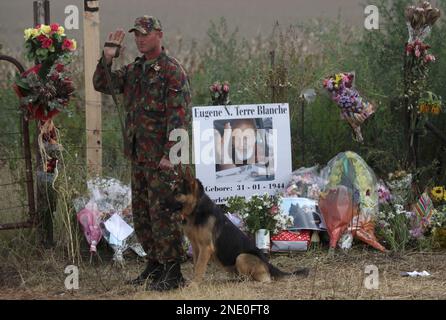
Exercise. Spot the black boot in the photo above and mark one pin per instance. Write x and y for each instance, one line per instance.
(153, 271)
(171, 278)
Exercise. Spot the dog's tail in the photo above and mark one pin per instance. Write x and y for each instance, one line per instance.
(277, 273)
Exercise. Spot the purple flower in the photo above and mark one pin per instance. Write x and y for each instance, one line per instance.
(416, 233)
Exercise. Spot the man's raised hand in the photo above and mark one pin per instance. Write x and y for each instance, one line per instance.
(113, 43)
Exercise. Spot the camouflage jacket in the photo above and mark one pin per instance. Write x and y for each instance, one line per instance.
(156, 101)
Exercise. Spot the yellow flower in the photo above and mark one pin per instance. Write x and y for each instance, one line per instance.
(45, 29)
(28, 33)
(74, 44)
(338, 79)
(34, 33)
(438, 193)
(60, 31)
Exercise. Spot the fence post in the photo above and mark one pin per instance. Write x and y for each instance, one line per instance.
(92, 97)
(46, 195)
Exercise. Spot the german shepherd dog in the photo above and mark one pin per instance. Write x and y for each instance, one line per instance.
(214, 236)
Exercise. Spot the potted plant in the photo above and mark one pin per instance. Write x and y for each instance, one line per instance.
(261, 216)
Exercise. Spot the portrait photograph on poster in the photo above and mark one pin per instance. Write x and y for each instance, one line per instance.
(251, 151)
(305, 212)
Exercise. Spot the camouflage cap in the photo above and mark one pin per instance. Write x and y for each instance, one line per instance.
(145, 24)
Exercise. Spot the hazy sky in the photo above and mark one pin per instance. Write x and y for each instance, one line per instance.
(188, 17)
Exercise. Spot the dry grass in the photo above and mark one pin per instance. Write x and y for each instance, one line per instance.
(337, 277)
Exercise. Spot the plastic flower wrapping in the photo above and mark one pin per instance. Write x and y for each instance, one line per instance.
(90, 218)
(354, 108)
(305, 183)
(111, 197)
(349, 201)
(420, 19)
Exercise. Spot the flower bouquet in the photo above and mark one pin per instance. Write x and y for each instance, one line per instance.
(350, 201)
(48, 43)
(418, 50)
(45, 89)
(43, 98)
(393, 226)
(220, 93)
(400, 184)
(420, 19)
(260, 212)
(354, 109)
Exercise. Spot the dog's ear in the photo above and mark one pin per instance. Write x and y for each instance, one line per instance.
(180, 172)
(188, 176)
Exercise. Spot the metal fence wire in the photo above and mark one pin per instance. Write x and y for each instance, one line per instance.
(17, 200)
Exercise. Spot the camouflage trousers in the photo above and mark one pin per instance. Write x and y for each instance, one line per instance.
(158, 231)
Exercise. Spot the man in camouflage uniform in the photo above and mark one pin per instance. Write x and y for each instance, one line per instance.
(156, 101)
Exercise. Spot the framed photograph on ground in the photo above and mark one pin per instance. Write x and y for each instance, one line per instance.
(305, 212)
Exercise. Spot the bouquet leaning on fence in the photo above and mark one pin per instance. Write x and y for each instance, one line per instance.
(45, 89)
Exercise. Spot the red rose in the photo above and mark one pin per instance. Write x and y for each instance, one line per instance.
(47, 43)
(42, 38)
(59, 67)
(66, 44)
(54, 27)
(225, 88)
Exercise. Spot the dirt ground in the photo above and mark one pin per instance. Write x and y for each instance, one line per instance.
(341, 276)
